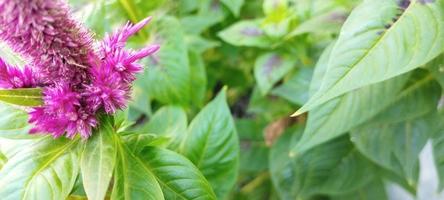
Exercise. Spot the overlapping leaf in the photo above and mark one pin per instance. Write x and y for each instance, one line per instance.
(18, 127)
(246, 33)
(177, 176)
(22, 97)
(335, 167)
(402, 139)
(170, 122)
(168, 79)
(411, 36)
(44, 169)
(212, 145)
(271, 68)
(98, 160)
(132, 180)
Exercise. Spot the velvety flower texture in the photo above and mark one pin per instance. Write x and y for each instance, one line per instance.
(78, 81)
(43, 32)
(12, 77)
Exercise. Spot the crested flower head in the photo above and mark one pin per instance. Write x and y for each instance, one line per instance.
(79, 82)
(44, 33)
(106, 91)
(14, 77)
(62, 113)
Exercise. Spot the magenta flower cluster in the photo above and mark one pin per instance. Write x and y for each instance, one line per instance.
(78, 80)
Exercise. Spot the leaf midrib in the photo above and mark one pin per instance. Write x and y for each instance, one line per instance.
(375, 44)
(49, 161)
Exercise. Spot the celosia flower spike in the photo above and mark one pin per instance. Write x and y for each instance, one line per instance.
(44, 32)
(14, 77)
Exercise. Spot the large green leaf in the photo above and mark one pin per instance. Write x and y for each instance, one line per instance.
(98, 160)
(168, 75)
(168, 121)
(402, 142)
(343, 113)
(377, 28)
(13, 122)
(212, 145)
(44, 169)
(246, 33)
(177, 176)
(271, 68)
(373, 191)
(335, 167)
(340, 115)
(22, 97)
(132, 179)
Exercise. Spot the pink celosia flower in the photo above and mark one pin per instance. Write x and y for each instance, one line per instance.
(43, 32)
(79, 82)
(62, 113)
(106, 90)
(13, 77)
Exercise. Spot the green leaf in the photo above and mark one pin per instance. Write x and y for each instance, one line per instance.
(177, 176)
(335, 167)
(329, 22)
(372, 191)
(234, 5)
(436, 68)
(340, 115)
(271, 68)
(198, 79)
(212, 10)
(22, 97)
(212, 145)
(169, 73)
(98, 160)
(168, 121)
(438, 152)
(13, 122)
(296, 88)
(132, 179)
(246, 33)
(188, 5)
(196, 24)
(44, 169)
(402, 142)
(136, 142)
(359, 57)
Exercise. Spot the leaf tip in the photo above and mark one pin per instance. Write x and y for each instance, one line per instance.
(298, 112)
